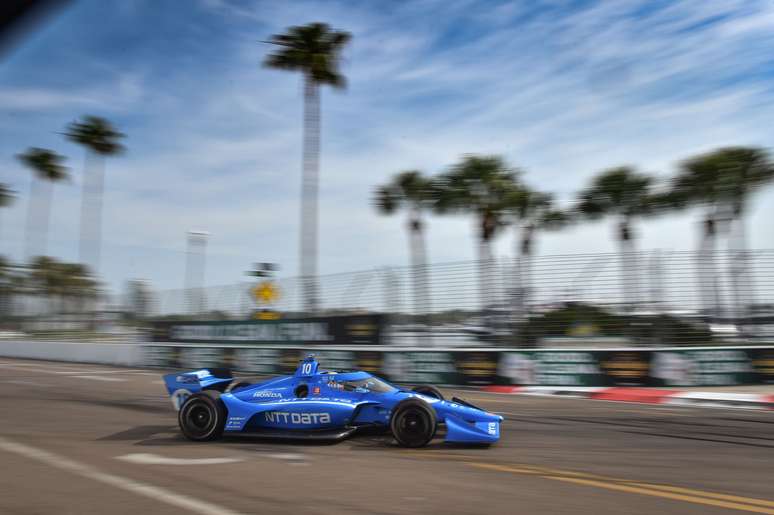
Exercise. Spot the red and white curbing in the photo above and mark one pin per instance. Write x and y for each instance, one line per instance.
(645, 395)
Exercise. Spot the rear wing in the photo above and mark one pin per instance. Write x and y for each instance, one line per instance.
(181, 385)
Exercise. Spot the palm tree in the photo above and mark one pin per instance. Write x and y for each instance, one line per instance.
(624, 194)
(57, 280)
(314, 51)
(100, 139)
(413, 192)
(531, 211)
(479, 185)
(722, 182)
(47, 169)
(77, 284)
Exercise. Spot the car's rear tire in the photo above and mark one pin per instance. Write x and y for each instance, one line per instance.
(413, 423)
(429, 390)
(202, 417)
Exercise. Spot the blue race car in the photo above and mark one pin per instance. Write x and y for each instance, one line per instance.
(321, 404)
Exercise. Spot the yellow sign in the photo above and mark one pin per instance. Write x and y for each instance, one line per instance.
(266, 315)
(265, 292)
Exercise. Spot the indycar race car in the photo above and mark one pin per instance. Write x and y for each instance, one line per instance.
(322, 404)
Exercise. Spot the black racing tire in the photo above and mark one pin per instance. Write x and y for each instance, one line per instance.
(413, 423)
(429, 390)
(202, 417)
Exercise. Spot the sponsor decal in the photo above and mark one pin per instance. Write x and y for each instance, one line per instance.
(235, 422)
(316, 390)
(267, 394)
(284, 417)
(179, 397)
(492, 429)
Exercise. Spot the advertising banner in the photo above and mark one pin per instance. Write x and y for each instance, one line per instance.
(342, 330)
(705, 367)
(630, 367)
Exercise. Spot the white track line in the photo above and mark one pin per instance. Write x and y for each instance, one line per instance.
(22, 382)
(155, 459)
(100, 378)
(92, 371)
(156, 493)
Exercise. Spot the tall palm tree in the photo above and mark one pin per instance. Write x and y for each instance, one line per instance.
(479, 185)
(101, 140)
(531, 211)
(626, 195)
(412, 192)
(721, 182)
(314, 50)
(47, 169)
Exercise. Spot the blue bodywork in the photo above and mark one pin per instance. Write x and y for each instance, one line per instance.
(321, 403)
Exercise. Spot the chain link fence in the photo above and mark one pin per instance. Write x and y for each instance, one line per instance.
(613, 299)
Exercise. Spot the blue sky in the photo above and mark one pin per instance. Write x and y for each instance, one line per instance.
(562, 89)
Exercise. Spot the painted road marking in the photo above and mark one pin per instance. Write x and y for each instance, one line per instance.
(22, 382)
(155, 459)
(156, 493)
(287, 456)
(692, 495)
(101, 378)
(88, 371)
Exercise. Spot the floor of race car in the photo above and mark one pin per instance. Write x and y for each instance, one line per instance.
(85, 439)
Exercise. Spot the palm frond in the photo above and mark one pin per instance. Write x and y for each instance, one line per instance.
(45, 164)
(313, 49)
(97, 134)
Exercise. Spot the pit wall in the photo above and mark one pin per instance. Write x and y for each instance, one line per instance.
(656, 367)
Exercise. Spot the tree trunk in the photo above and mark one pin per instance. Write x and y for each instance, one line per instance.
(484, 274)
(419, 271)
(485, 264)
(309, 192)
(419, 266)
(522, 276)
(91, 211)
(523, 270)
(708, 286)
(739, 271)
(38, 217)
(629, 266)
(30, 230)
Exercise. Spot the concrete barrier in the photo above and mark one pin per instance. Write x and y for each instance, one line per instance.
(122, 354)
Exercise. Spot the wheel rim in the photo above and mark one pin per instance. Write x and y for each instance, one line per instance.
(199, 418)
(413, 425)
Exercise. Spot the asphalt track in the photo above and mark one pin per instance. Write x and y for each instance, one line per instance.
(84, 439)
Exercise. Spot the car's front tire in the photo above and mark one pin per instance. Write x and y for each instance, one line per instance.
(202, 417)
(413, 423)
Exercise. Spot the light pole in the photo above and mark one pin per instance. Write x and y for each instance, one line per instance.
(194, 271)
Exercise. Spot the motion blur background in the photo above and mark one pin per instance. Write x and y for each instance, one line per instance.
(571, 170)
